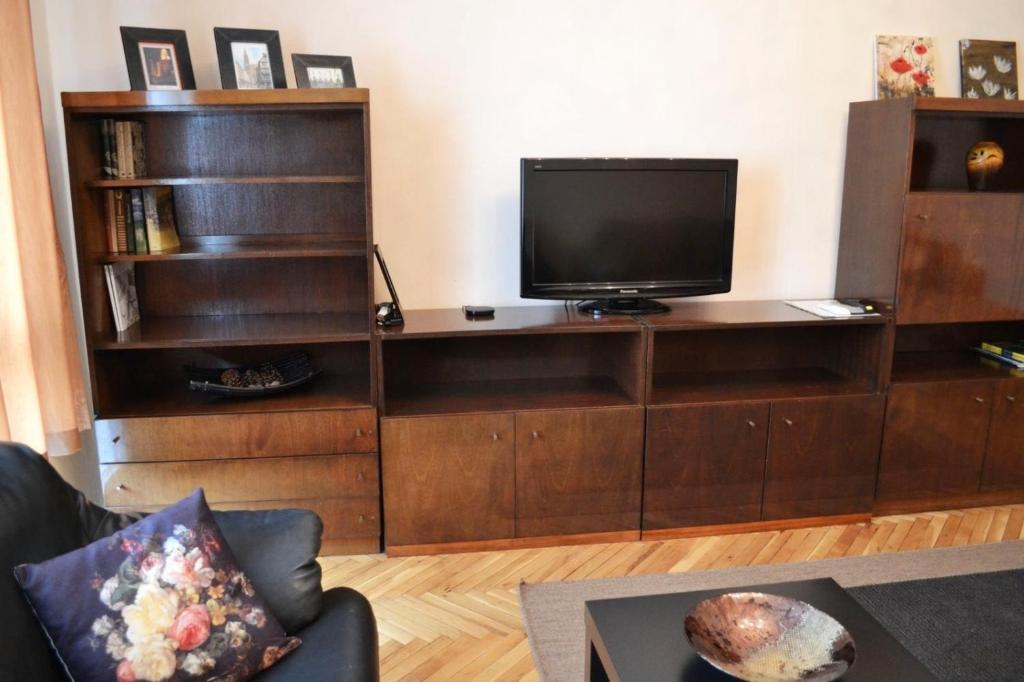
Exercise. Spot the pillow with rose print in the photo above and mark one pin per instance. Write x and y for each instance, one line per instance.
(162, 599)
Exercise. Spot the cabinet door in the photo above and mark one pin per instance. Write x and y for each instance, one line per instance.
(448, 479)
(1004, 459)
(934, 441)
(822, 456)
(579, 471)
(959, 258)
(705, 464)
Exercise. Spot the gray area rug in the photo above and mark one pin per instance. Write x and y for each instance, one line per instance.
(553, 612)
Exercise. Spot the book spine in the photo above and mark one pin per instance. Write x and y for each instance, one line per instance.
(111, 211)
(152, 220)
(139, 218)
(167, 231)
(122, 149)
(138, 150)
(129, 222)
(108, 166)
(1001, 350)
(115, 309)
(121, 234)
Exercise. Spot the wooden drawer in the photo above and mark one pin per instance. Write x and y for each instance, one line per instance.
(260, 480)
(221, 436)
(351, 524)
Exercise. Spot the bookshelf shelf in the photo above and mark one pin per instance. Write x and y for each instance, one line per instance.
(239, 330)
(764, 384)
(198, 250)
(229, 180)
(912, 368)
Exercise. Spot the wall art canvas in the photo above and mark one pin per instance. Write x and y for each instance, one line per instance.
(904, 67)
(988, 69)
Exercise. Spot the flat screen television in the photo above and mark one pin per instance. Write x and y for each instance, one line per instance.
(619, 233)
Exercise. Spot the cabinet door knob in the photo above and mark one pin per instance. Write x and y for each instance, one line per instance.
(535, 434)
(751, 423)
(360, 477)
(922, 216)
(121, 486)
(978, 399)
(494, 436)
(789, 422)
(1011, 398)
(359, 433)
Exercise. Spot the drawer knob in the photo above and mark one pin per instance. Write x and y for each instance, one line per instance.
(535, 434)
(751, 423)
(1011, 398)
(978, 399)
(120, 486)
(362, 518)
(359, 476)
(363, 432)
(789, 422)
(923, 216)
(495, 436)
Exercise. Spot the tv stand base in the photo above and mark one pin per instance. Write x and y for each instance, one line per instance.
(623, 306)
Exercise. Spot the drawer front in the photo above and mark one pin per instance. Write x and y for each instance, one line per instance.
(220, 436)
(270, 479)
(344, 518)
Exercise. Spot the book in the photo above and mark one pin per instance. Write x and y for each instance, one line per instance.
(1010, 349)
(109, 153)
(120, 224)
(138, 145)
(111, 215)
(124, 300)
(161, 233)
(129, 222)
(1001, 358)
(139, 221)
(123, 147)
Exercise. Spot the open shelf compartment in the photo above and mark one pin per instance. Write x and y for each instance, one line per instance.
(943, 352)
(465, 374)
(941, 142)
(716, 365)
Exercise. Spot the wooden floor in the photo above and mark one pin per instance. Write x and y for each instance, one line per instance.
(456, 617)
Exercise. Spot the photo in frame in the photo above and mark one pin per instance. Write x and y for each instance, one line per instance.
(157, 59)
(323, 71)
(249, 59)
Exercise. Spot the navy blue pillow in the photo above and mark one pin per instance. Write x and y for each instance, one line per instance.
(162, 599)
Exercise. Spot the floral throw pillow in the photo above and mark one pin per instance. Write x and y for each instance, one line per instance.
(162, 599)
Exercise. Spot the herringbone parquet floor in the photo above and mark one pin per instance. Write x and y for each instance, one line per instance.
(456, 617)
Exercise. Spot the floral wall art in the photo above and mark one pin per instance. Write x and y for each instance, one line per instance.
(905, 66)
(988, 69)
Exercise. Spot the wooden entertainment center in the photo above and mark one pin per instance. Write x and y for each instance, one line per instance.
(543, 425)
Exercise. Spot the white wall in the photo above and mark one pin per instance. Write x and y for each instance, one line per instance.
(461, 89)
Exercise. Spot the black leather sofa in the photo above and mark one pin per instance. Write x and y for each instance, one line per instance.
(41, 516)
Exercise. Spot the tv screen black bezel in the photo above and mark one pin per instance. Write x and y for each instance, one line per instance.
(529, 167)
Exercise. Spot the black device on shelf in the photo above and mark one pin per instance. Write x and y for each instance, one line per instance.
(623, 232)
(389, 313)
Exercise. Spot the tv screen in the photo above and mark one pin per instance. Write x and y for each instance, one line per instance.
(626, 228)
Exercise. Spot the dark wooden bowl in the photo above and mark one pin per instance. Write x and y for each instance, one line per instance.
(767, 638)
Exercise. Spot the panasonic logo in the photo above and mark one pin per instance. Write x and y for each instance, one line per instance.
(629, 291)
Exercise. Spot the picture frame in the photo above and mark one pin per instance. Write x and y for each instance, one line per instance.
(323, 71)
(157, 59)
(249, 59)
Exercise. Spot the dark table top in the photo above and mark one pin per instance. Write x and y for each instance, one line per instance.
(642, 638)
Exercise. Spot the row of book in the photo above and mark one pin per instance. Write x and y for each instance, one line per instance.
(124, 149)
(1008, 353)
(124, 300)
(141, 220)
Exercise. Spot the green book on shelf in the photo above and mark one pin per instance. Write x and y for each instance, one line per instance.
(139, 220)
(129, 222)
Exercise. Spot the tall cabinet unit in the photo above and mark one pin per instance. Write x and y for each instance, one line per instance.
(272, 202)
(950, 264)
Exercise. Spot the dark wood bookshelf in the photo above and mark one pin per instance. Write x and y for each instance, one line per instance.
(272, 206)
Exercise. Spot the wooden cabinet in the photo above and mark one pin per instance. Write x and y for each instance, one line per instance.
(822, 456)
(578, 471)
(959, 260)
(704, 464)
(1004, 457)
(935, 436)
(448, 479)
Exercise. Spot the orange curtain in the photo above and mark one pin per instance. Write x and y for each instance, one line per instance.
(42, 399)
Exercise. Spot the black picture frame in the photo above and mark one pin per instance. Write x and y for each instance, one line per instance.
(225, 38)
(302, 62)
(136, 38)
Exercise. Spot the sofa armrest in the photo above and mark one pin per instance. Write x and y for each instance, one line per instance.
(341, 645)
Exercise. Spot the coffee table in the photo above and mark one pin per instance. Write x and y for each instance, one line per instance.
(641, 639)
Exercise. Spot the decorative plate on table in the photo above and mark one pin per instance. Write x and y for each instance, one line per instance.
(761, 637)
(254, 380)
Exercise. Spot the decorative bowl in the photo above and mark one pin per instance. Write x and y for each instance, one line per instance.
(761, 637)
(252, 381)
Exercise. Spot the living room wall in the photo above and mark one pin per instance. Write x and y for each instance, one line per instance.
(462, 89)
